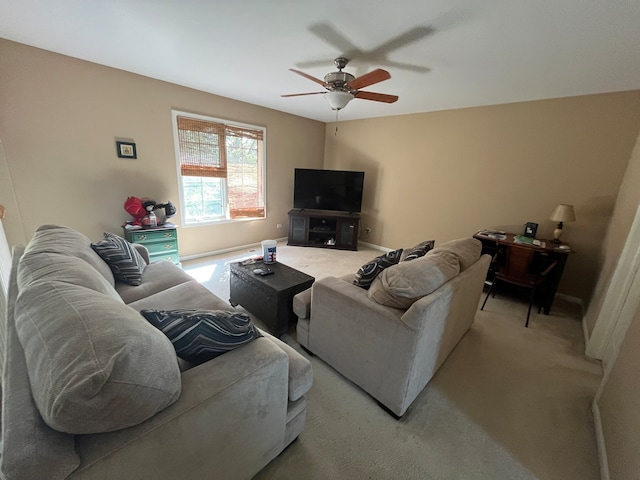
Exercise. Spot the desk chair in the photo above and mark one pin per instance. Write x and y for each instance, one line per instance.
(526, 268)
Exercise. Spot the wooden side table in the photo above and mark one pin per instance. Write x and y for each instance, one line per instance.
(162, 242)
(552, 250)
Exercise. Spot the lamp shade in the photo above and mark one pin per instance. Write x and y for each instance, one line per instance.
(338, 100)
(563, 213)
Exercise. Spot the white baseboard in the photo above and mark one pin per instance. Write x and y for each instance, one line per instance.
(585, 332)
(249, 247)
(375, 247)
(579, 301)
(572, 299)
(602, 451)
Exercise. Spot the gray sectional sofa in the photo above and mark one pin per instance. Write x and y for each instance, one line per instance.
(391, 338)
(91, 390)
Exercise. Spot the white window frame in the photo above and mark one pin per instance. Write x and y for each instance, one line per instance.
(225, 218)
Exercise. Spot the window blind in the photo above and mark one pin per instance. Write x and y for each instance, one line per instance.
(212, 149)
(202, 152)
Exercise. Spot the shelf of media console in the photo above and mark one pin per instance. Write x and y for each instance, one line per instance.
(322, 228)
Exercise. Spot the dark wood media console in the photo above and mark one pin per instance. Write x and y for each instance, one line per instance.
(321, 228)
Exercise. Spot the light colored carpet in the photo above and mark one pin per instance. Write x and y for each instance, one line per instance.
(508, 403)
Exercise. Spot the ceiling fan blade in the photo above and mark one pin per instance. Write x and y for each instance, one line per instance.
(334, 38)
(405, 66)
(313, 79)
(301, 94)
(376, 97)
(370, 78)
(402, 40)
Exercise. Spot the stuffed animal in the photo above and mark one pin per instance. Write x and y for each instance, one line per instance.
(143, 211)
(135, 208)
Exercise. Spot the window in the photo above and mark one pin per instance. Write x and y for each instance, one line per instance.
(220, 169)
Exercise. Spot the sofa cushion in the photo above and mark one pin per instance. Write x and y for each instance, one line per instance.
(370, 270)
(57, 239)
(95, 365)
(200, 335)
(401, 285)
(418, 251)
(157, 277)
(468, 250)
(29, 447)
(39, 267)
(192, 293)
(124, 260)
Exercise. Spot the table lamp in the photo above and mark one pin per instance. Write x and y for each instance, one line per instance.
(562, 213)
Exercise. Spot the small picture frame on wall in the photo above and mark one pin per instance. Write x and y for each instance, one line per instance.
(530, 229)
(126, 149)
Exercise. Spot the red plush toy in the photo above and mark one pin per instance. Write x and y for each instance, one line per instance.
(134, 206)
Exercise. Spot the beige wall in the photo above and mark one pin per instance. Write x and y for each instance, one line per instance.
(436, 175)
(444, 175)
(60, 117)
(439, 175)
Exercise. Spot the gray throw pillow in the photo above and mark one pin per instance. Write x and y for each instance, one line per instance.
(124, 260)
(370, 270)
(95, 365)
(418, 251)
(200, 335)
(401, 285)
(468, 250)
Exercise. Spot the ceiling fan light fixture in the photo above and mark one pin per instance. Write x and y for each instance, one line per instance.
(338, 100)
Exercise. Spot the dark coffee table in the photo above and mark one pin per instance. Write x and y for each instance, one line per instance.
(270, 297)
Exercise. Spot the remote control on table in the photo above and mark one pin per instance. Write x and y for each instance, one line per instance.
(263, 271)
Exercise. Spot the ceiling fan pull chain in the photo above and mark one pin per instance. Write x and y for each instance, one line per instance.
(336, 132)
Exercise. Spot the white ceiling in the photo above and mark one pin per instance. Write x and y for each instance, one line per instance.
(449, 53)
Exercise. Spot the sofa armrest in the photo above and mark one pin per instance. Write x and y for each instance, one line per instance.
(302, 304)
(363, 340)
(302, 301)
(300, 371)
(142, 250)
(230, 417)
(342, 312)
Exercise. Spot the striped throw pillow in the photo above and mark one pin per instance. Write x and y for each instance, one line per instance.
(418, 251)
(369, 271)
(124, 260)
(200, 335)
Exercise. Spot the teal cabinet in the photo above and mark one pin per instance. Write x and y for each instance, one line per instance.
(161, 242)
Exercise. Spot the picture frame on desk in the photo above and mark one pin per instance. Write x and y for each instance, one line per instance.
(530, 229)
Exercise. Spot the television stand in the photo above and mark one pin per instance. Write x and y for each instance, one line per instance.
(324, 229)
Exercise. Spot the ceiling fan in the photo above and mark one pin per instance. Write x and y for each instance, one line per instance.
(342, 87)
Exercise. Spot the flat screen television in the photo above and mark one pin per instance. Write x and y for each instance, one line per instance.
(337, 190)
